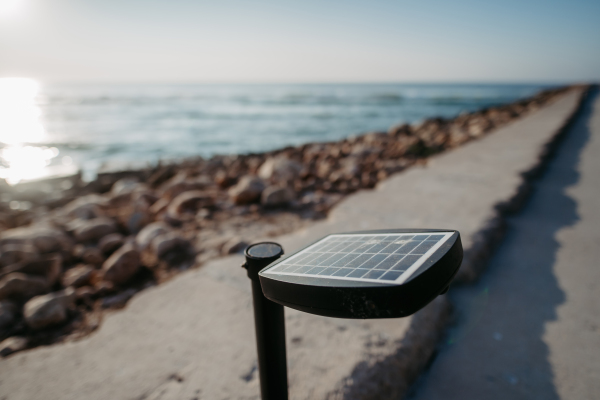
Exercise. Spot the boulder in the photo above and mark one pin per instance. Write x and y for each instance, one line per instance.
(44, 239)
(182, 183)
(280, 169)
(275, 196)
(135, 218)
(150, 231)
(399, 130)
(12, 345)
(130, 190)
(362, 150)
(159, 206)
(247, 190)
(143, 196)
(20, 286)
(85, 292)
(167, 242)
(93, 256)
(86, 207)
(223, 180)
(14, 253)
(49, 309)
(48, 267)
(8, 312)
(47, 240)
(186, 205)
(94, 229)
(111, 242)
(118, 300)
(103, 288)
(79, 275)
(124, 186)
(122, 265)
(376, 138)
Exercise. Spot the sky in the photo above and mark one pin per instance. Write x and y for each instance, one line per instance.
(300, 41)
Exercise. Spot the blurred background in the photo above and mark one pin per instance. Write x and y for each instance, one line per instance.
(86, 85)
(98, 93)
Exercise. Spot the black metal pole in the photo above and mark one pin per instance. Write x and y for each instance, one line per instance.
(269, 324)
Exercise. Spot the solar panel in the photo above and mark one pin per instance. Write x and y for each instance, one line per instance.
(382, 258)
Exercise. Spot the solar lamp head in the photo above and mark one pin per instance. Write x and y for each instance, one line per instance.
(366, 274)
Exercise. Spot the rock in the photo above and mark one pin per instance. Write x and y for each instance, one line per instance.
(86, 207)
(95, 229)
(12, 345)
(48, 309)
(47, 267)
(185, 205)
(8, 311)
(47, 240)
(143, 196)
(247, 190)
(118, 300)
(124, 186)
(111, 242)
(351, 167)
(103, 288)
(150, 231)
(122, 265)
(14, 253)
(78, 250)
(85, 292)
(20, 286)
(398, 130)
(280, 169)
(44, 239)
(234, 245)
(79, 275)
(181, 183)
(223, 180)
(136, 219)
(167, 242)
(376, 138)
(362, 151)
(92, 255)
(275, 196)
(159, 206)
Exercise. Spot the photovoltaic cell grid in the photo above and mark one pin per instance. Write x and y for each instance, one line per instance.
(372, 257)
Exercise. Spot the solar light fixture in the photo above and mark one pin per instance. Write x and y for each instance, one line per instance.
(367, 274)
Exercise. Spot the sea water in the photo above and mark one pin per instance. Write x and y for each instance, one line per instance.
(89, 126)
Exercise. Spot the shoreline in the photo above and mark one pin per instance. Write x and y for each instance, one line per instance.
(200, 209)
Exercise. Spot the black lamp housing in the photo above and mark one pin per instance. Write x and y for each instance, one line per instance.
(367, 299)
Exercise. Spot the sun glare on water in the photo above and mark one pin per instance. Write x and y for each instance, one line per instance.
(20, 129)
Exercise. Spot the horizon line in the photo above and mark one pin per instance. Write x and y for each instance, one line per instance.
(305, 82)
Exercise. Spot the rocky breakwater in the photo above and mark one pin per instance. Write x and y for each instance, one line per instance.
(69, 250)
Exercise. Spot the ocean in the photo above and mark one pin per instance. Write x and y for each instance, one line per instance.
(93, 126)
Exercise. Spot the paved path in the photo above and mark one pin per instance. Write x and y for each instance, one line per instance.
(193, 336)
(530, 328)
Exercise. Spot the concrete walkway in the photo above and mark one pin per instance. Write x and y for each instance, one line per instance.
(193, 338)
(530, 329)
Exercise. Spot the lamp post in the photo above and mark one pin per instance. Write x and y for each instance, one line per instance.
(366, 275)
